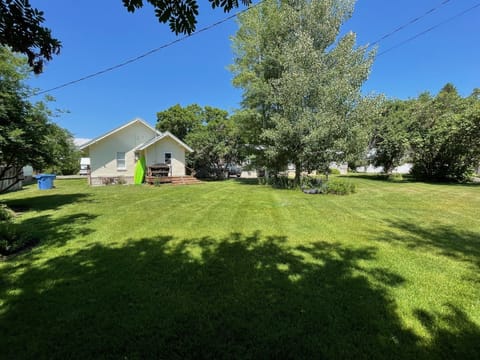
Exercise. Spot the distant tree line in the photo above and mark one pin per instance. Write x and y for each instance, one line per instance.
(439, 134)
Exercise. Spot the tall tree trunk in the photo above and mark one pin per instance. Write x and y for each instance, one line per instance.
(298, 171)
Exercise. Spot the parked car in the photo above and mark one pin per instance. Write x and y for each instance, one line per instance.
(234, 170)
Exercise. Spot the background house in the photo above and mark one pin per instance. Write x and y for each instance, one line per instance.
(113, 156)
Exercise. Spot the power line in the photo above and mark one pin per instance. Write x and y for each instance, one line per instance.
(412, 21)
(429, 29)
(148, 53)
(228, 18)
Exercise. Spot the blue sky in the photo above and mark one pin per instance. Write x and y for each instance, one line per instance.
(100, 34)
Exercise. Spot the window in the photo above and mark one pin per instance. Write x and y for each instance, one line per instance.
(121, 165)
(168, 158)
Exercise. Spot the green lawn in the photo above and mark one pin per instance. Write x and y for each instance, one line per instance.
(237, 270)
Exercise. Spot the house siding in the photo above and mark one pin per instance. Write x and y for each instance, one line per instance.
(103, 153)
(155, 155)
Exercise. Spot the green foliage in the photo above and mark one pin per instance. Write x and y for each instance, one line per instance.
(340, 187)
(210, 132)
(445, 136)
(181, 14)
(180, 121)
(311, 182)
(27, 136)
(336, 277)
(64, 154)
(440, 135)
(22, 31)
(301, 87)
(391, 138)
(6, 214)
(12, 239)
(334, 171)
(395, 177)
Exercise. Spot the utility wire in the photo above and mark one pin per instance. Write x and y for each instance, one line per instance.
(412, 21)
(429, 29)
(148, 53)
(208, 27)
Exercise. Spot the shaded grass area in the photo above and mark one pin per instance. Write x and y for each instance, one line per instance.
(222, 270)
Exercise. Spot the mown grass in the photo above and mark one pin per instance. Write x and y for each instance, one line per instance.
(237, 270)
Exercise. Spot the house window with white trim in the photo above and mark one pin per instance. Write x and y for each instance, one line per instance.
(121, 164)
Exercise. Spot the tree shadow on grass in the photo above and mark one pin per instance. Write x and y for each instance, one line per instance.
(454, 335)
(446, 240)
(47, 229)
(247, 181)
(45, 202)
(50, 230)
(240, 296)
(406, 178)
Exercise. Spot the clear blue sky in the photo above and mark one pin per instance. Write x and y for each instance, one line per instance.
(99, 34)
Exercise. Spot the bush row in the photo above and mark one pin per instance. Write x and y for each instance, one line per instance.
(312, 185)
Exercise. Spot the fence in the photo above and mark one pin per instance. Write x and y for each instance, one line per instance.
(12, 179)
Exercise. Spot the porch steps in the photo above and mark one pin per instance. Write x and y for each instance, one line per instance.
(174, 180)
(185, 180)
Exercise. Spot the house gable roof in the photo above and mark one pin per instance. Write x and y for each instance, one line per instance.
(160, 137)
(134, 121)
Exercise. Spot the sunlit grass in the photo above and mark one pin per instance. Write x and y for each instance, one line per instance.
(233, 269)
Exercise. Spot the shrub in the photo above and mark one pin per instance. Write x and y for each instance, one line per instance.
(334, 171)
(340, 187)
(310, 182)
(11, 238)
(395, 177)
(6, 214)
(281, 182)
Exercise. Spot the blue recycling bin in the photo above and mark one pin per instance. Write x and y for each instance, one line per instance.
(45, 181)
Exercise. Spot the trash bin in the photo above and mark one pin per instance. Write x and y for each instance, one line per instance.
(45, 181)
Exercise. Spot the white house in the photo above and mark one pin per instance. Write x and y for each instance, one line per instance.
(114, 155)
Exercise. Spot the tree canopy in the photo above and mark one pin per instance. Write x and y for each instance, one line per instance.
(27, 136)
(179, 120)
(21, 29)
(21, 25)
(301, 84)
(210, 131)
(439, 134)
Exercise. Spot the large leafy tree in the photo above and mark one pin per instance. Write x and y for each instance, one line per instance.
(210, 131)
(445, 135)
(216, 144)
(21, 25)
(27, 137)
(65, 156)
(301, 84)
(179, 120)
(390, 141)
(439, 134)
